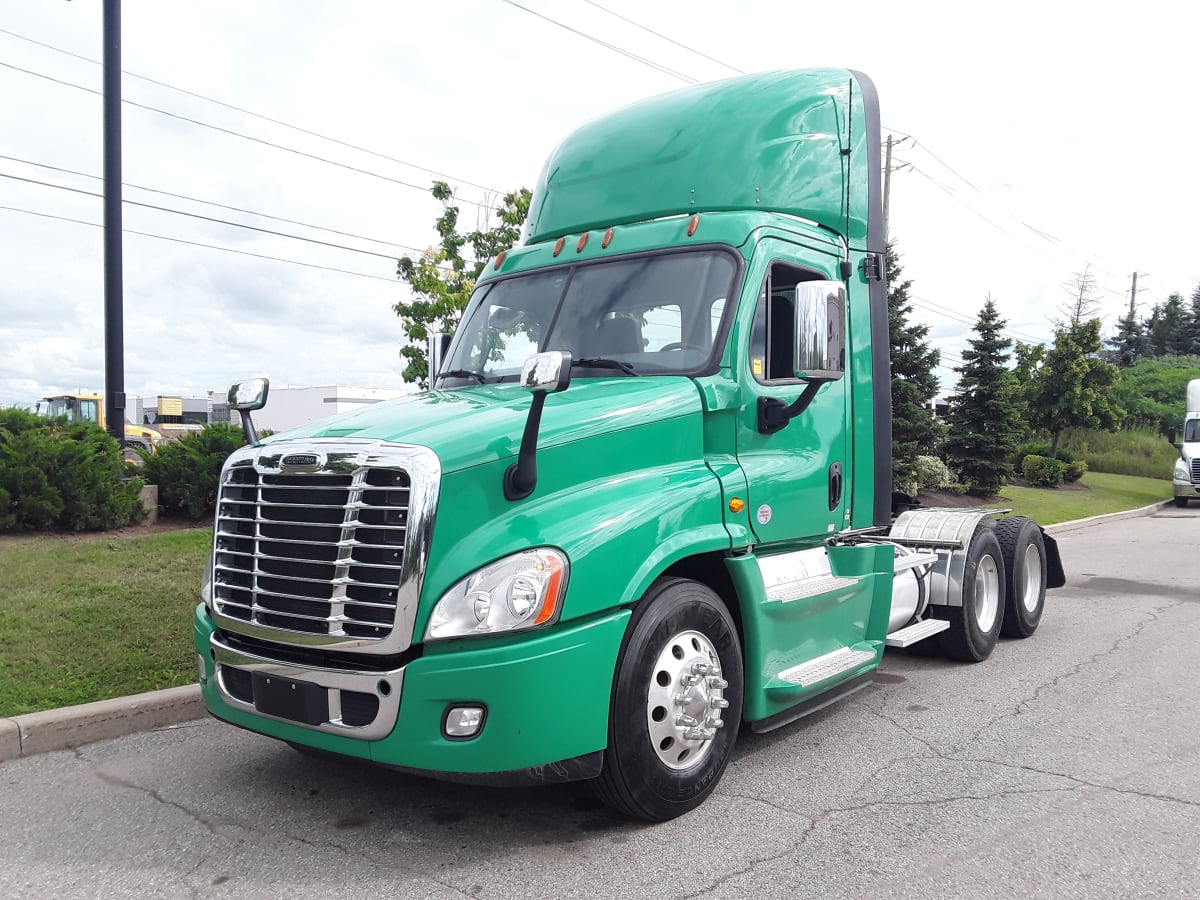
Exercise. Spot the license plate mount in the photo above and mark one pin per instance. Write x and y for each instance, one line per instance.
(287, 698)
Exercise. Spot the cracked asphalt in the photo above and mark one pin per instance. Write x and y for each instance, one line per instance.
(1067, 765)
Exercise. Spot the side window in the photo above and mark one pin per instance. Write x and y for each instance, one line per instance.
(773, 339)
(662, 328)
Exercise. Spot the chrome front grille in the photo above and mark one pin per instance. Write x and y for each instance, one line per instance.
(323, 542)
(1196, 470)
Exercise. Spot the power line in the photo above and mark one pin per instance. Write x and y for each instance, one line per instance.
(240, 134)
(959, 317)
(583, 34)
(1044, 235)
(664, 37)
(256, 115)
(163, 237)
(191, 215)
(249, 212)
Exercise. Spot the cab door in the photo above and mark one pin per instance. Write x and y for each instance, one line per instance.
(797, 475)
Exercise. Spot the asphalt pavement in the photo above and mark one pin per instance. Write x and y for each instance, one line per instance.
(1064, 766)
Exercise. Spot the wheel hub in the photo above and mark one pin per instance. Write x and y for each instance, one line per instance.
(685, 700)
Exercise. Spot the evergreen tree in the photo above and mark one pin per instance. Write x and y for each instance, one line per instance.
(1167, 327)
(1129, 344)
(983, 425)
(915, 432)
(1193, 329)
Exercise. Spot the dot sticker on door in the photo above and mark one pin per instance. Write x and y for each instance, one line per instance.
(764, 514)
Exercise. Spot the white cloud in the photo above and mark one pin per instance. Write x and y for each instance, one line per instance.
(1071, 120)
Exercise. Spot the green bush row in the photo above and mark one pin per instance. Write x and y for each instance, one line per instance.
(187, 471)
(62, 476)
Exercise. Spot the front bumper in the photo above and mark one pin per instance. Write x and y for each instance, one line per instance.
(1187, 489)
(546, 697)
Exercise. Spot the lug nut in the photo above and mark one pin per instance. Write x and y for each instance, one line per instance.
(716, 683)
(683, 720)
(718, 703)
(713, 722)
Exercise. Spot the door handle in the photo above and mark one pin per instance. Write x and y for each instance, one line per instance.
(835, 485)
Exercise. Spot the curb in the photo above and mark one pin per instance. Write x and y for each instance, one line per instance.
(1107, 517)
(72, 726)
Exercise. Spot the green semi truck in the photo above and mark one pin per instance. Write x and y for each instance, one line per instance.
(647, 498)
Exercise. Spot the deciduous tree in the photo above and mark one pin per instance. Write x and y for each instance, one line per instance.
(442, 279)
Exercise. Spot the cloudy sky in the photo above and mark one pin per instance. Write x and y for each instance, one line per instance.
(1041, 138)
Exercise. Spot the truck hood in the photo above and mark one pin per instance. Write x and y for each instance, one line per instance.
(475, 425)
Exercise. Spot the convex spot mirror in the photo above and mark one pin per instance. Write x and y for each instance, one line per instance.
(248, 395)
(820, 330)
(547, 373)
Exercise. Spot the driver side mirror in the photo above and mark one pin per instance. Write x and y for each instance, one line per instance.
(820, 330)
(542, 373)
(245, 396)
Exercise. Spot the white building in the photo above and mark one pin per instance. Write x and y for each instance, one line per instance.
(289, 407)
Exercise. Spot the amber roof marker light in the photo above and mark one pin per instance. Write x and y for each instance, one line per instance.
(693, 224)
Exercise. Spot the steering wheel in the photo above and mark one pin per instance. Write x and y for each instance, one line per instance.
(680, 345)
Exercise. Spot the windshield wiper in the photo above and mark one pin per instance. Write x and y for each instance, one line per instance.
(603, 362)
(462, 373)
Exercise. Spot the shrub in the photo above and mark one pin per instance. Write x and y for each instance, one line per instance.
(1074, 471)
(187, 470)
(1041, 448)
(55, 475)
(1043, 471)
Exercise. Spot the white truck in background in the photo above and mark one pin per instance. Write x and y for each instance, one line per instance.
(1187, 467)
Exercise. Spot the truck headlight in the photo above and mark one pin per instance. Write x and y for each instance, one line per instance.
(1181, 471)
(520, 591)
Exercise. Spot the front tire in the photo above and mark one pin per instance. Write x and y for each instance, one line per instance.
(1024, 553)
(975, 626)
(676, 703)
(1181, 501)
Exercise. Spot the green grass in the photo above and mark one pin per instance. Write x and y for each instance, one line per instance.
(1105, 493)
(88, 618)
(1135, 451)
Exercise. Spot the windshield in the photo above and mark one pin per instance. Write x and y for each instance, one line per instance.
(1191, 431)
(74, 408)
(659, 314)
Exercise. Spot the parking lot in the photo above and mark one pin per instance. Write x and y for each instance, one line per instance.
(1067, 765)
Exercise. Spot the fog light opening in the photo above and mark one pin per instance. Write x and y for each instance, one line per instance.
(203, 669)
(463, 722)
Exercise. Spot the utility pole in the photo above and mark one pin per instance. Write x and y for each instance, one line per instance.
(114, 324)
(1133, 296)
(887, 182)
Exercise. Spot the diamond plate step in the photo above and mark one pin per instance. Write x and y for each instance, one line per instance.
(826, 666)
(918, 631)
(808, 587)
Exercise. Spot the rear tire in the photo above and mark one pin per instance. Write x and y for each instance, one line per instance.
(676, 703)
(1024, 553)
(975, 626)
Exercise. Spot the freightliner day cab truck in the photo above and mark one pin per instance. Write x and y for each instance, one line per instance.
(647, 499)
(1187, 467)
